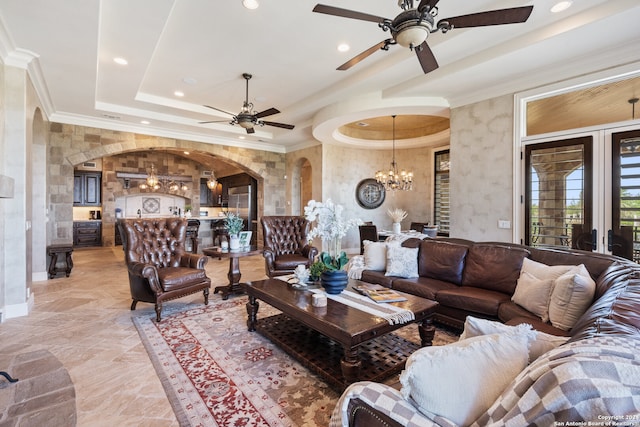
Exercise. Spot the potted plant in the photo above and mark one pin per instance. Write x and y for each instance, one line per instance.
(234, 224)
(330, 227)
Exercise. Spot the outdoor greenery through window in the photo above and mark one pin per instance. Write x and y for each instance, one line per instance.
(441, 193)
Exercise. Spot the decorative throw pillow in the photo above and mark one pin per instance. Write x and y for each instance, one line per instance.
(543, 271)
(533, 294)
(402, 262)
(375, 255)
(460, 381)
(571, 296)
(539, 342)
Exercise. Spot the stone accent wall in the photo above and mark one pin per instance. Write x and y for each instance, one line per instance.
(72, 145)
(44, 394)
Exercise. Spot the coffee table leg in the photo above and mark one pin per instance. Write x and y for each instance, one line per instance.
(252, 311)
(427, 331)
(350, 365)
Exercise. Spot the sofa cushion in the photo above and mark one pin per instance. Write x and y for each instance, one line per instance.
(493, 267)
(402, 262)
(539, 342)
(572, 295)
(375, 255)
(422, 286)
(460, 381)
(442, 260)
(473, 300)
(376, 277)
(533, 294)
(172, 278)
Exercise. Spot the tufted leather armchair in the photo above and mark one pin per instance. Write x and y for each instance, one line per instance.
(159, 268)
(285, 244)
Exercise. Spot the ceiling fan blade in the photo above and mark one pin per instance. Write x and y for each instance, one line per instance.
(353, 61)
(492, 17)
(214, 121)
(269, 112)
(424, 3)
(251, 130)
(345, 13)
(426, 58)
(222, 111)
(278, 125)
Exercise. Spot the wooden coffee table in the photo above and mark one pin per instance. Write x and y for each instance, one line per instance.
(338, 342)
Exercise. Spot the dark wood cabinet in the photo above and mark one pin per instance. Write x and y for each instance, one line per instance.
(86, 188)
(87, 233)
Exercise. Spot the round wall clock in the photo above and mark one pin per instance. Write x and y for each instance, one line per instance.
(370, 193)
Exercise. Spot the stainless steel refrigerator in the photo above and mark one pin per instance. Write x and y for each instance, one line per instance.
(240, 203)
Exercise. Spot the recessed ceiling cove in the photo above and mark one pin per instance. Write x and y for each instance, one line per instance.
(408, 126)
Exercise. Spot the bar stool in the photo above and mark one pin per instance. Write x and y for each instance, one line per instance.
(193, 225)
(53, 251)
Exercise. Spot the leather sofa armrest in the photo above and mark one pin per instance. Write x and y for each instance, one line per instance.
(146, 271)
(269, 256)
(194, 261)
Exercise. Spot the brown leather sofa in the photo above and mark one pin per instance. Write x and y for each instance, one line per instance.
(478, 279)
(159, 268)
(285, 244)
(450, 272)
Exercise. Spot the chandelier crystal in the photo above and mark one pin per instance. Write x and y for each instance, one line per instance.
(392, 179)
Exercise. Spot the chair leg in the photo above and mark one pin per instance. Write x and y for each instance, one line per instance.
(158, 312)
(133, 304)
(206, 296)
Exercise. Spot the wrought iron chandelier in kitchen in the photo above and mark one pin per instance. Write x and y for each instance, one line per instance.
(392, 179)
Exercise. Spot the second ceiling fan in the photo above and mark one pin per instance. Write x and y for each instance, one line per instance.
(414, 24)
(247, 117)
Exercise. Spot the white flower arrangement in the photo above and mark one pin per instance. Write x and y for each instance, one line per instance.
(330, 227)
(397, 215)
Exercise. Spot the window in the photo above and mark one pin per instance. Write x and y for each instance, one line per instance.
(441, 192)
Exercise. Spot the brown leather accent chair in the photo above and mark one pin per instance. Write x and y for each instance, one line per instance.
(159, 267)
(285, 244)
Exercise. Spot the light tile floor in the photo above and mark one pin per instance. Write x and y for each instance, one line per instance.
(85, 321)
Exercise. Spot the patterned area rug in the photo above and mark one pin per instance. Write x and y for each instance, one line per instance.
(216, 373)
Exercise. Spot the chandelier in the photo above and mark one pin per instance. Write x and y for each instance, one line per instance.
(154, 183)
(391, 179)
(212, 183)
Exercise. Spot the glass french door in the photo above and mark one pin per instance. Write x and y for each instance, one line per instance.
(623, 238)
(558, 198)
(575, 198)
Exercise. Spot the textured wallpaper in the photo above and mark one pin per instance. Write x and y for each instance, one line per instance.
(482, 169)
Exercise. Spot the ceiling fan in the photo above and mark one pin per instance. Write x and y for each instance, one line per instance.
(414, 24)
(248, 118)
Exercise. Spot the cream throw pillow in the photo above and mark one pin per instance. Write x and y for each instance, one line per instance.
(460, 381)
(539, 342)
(533, 294)
(572, 294)
(535, 284)
(402, 262)
(375, 255)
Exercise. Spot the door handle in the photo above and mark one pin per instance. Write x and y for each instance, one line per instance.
(594, 239)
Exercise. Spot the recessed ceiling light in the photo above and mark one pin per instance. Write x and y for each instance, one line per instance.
(241, 137)
(362, 124)
(186, 153)
(343, 47)
(121, 61)
(145, 122)
(560, 6)
(178, 93)
(250, 4)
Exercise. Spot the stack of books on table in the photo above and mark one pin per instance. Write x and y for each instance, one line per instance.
(379, 293)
